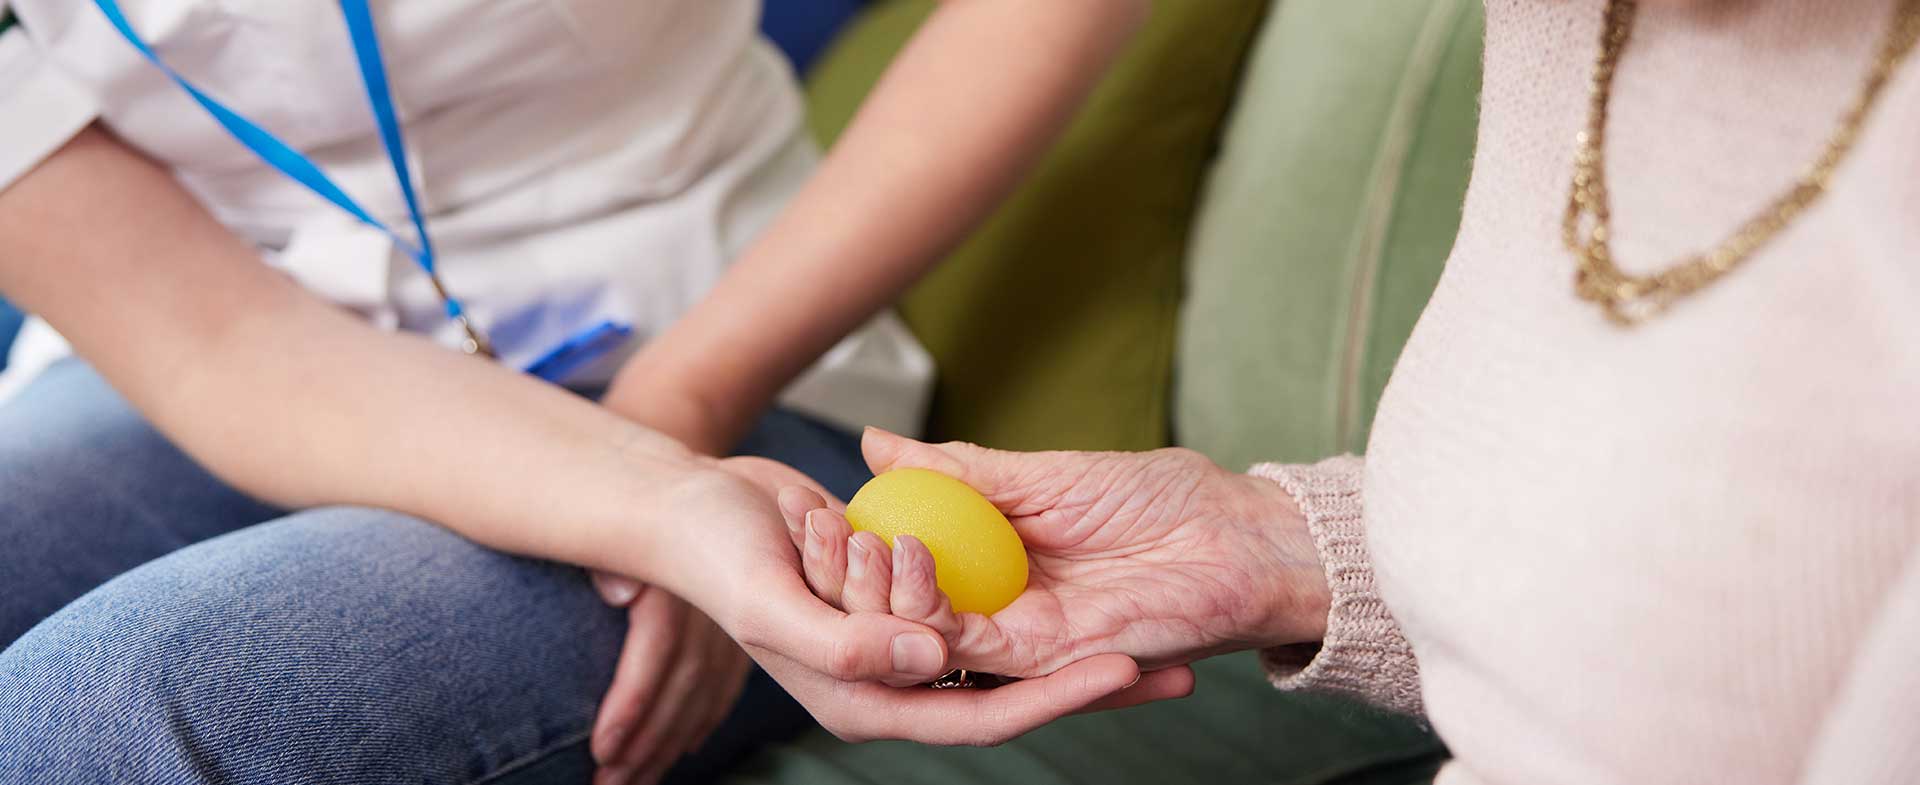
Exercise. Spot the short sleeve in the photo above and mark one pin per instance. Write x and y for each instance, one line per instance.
(44, 107)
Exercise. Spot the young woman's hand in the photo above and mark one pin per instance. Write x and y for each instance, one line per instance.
(723, 545)
(1162, 556)
(677, 679)
(679, 674)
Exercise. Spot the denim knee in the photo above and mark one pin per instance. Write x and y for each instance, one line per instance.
(341, 645)
(89, 490)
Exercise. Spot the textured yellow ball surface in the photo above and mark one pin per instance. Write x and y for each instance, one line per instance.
(979, 560)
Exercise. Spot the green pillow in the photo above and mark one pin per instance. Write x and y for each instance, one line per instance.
(1053, 327)
(1327, 220)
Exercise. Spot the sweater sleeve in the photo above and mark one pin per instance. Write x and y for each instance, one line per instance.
(1871, 735)
(1364, 655)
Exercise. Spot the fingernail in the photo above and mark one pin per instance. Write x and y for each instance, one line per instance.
(813, 525)
(622, 592)
(613, 589)
(1136, 680)
(899, 558)
(916, 654)
(856, 558)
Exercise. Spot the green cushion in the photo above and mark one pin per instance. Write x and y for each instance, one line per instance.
(1053, 327)
(1228, 732)
(1328, 217)
(1011, 375)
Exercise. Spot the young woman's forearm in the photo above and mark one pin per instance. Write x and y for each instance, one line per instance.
(965, 110)
(295, 401)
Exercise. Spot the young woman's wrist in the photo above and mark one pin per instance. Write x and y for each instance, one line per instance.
(610, 510)
(654, 392)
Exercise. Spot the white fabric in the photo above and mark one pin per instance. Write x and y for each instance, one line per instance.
(580, 160)
(42, 106)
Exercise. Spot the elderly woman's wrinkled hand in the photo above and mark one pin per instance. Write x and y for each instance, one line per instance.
(1162, 556)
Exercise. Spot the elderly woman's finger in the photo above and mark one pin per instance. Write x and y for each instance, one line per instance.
(869, 574)
(1005, 478)
(824, 557)
(916, 591)
(974, 642)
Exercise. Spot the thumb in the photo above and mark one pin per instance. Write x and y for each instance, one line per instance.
(790, 621)
(996, 474)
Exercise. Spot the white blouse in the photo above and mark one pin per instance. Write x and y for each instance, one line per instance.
(578, 160)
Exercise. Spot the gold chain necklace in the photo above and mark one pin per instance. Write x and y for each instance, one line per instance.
(1629, 299)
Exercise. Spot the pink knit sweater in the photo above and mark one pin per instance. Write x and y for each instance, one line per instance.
(1687, 552)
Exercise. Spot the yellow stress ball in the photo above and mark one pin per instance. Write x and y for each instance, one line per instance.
(979, 560)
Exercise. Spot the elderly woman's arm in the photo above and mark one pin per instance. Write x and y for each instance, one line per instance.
(1163, 556)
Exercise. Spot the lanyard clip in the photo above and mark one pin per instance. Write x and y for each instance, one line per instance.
(476, 342)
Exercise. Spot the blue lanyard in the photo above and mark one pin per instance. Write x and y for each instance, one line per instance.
(556, 364)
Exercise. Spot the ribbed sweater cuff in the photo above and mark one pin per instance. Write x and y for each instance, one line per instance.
(1364, 655)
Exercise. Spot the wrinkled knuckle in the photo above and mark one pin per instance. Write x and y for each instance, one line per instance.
(1183, 457)
(919, 604)
(962, 446)
(950, 457)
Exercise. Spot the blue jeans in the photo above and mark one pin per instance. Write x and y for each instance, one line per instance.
(162, 627)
